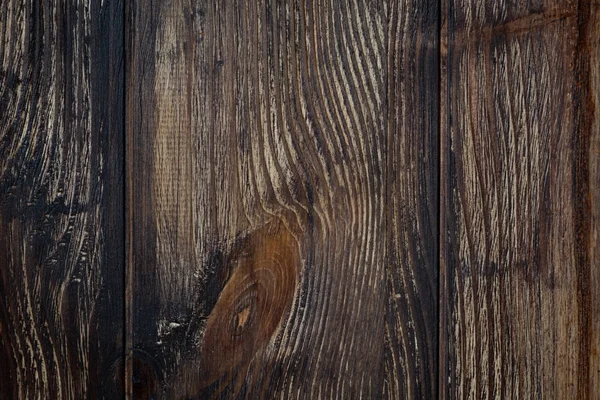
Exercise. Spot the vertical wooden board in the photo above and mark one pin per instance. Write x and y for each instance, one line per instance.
(61, 229)
(519, 191)
(592, 43)
(282, 199)
(411, 328)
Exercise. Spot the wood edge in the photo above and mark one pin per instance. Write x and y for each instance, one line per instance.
(128, 37)
(443, 192)
(584, 125)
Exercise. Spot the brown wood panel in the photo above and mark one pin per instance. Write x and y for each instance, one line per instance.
(590, 164)
(61, 195)
(519, 192)
(282, 199)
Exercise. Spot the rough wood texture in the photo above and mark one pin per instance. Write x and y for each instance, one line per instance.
(61, 231)
(591, 44)
(520, 200)
(282, 199)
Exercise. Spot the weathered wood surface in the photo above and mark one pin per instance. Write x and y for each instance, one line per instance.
(520, 190)
(282, 197)
(61, 230)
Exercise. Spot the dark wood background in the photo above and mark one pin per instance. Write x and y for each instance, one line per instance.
(299, 199)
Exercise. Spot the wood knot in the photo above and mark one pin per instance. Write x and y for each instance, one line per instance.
(252, 304)
(145, 379)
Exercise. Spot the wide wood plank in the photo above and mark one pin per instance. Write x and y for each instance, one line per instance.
(519, 227)
(282, 199)
(61, 194)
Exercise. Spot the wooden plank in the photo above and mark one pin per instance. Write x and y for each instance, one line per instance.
(590, 164)
(520, 200)
(411, 206)
(61, 230)
(282, 172)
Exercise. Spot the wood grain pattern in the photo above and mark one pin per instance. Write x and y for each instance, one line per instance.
(592, 241)
(411, 206)
(286, 211)
(304, 135)
(61, 194)
(251, 305)
(520, 200)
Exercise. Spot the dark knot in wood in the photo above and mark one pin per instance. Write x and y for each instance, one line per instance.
(253, 303)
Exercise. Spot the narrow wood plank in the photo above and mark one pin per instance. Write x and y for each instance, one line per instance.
(411, 321)
(61, 230)
(282, 199)
(591, 49)
(520, 200)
